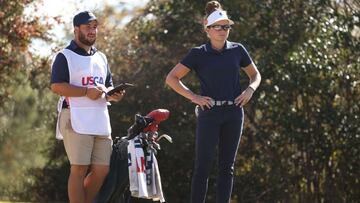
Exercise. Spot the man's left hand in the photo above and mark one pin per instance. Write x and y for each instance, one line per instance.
(117, 96)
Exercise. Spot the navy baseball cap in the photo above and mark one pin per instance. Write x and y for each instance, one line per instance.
(83, 18)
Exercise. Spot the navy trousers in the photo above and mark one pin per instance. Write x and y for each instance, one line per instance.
(221, 127)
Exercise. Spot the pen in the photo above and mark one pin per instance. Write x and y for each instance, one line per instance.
(96, 85)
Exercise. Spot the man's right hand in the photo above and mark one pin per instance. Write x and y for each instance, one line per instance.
(94, 93)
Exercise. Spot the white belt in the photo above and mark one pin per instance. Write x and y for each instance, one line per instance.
(222, 103)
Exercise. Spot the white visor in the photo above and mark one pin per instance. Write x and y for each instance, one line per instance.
(216, 16)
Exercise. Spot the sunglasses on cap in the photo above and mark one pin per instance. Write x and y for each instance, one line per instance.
(220, 27)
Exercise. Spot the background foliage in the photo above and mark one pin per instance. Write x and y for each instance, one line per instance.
(26, 115)
(301, 136)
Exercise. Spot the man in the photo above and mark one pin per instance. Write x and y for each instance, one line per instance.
(81, 76)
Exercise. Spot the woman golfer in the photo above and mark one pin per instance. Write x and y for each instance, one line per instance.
(220, 104)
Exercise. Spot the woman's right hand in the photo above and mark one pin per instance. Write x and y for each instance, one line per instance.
(202, 101)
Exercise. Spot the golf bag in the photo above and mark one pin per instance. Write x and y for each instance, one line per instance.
(115, 188)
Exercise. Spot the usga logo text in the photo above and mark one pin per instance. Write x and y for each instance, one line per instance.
(91, 80)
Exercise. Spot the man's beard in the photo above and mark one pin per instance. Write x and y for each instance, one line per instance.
(85, 41)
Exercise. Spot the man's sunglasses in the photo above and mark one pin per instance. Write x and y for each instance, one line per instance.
(220, 27)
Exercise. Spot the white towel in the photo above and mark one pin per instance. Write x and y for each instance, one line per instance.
(157, 188)
(132, 166)
(144, 177)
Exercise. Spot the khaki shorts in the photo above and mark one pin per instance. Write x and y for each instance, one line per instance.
(84, 149)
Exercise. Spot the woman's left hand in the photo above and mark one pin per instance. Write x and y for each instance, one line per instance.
(244, 97)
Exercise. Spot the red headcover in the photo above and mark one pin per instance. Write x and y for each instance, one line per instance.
(158, 115)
